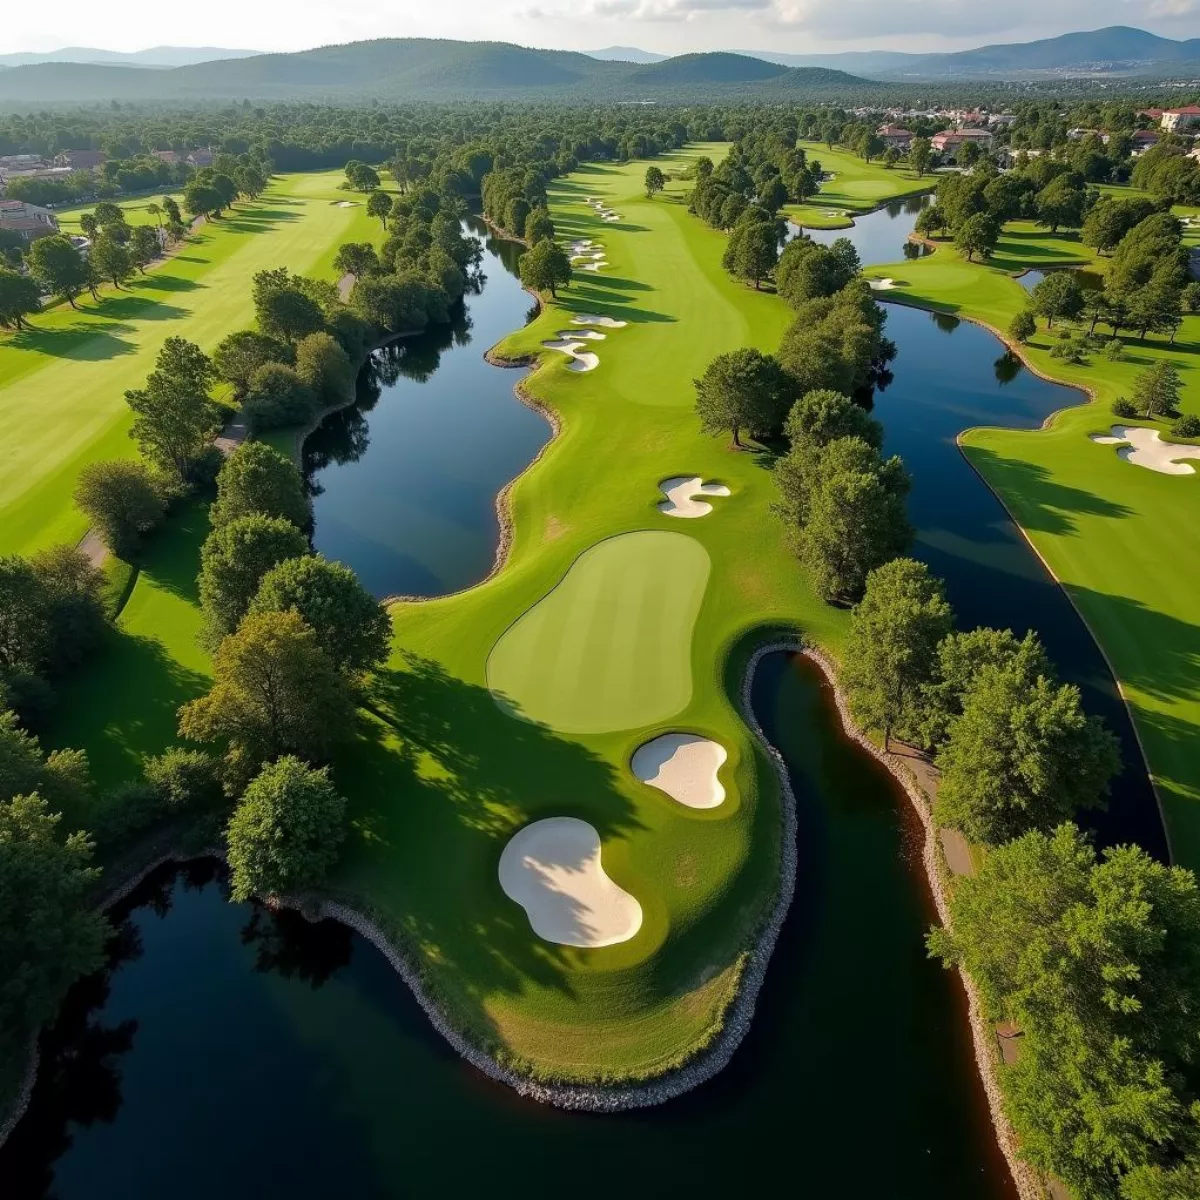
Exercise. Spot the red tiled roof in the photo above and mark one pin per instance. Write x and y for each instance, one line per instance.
(1190, 110)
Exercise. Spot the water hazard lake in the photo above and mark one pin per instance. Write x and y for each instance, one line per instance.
(237, 1052)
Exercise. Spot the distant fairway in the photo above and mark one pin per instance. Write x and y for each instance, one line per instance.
(610, 647)
(135, 211)
(63, 383)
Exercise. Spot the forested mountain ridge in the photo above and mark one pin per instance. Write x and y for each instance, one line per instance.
(420, 69)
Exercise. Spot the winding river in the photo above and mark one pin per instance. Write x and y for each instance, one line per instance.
(230, 1050)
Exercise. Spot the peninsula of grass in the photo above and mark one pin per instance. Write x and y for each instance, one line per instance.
(62, 382)
(856, 187)
(524, 698)
(1119, 537)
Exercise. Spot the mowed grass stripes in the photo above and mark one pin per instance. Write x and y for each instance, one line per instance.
(610, 647)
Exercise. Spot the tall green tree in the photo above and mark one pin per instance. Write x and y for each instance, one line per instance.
(256, 478)
(742, 389)
(978, 234)
(379, 205)
(121, 501)
(18, 298)
(655, 182)
(1022, 755)
(546, 265)
(286, 831)
(1058, 296)
(110, 259)
(752, 252)
(58, 267)
(822, 416)
(174, 418)
(274, 692)
(920, 151)
(892, 646)
(49, 933)
(233, 560)
(1158, 390)
(240, 354)
(350, 625)
(1097, 961)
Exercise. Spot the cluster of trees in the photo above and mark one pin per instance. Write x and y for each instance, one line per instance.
(1095, 958)
(293, 636)
(114, 178)
(842, 502)
(213, 189)
(54, 266)
(1167, 172)
(514, 195)
(1146, 288)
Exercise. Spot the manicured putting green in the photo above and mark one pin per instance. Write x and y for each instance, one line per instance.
(611, 646)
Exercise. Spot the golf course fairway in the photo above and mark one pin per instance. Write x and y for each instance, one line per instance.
(63, 382)
(1118, 537)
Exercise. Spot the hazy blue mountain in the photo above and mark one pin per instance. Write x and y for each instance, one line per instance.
(156, 56)
(1117, 50)
(422, 69)
(858, 62)
(627, 54)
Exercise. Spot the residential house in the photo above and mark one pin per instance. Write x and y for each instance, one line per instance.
(80, 160)
(28, 220)
(1174, 120)
(950, 141)
(1143, 139)
(167, 156)
(896, 136)
(201, 158)
(21, 162)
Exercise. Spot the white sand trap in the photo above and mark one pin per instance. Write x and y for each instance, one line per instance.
(1144, 448)
(593, 266)
(589, 335)
(681, 492)
(581, 360)
(346, 204)
(882, 285)
(684, 766)
(612, 217)
(593, 319)
(552, 869)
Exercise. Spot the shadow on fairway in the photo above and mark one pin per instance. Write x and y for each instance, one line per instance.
(441, 779)
(83, 343)
(1046, 506)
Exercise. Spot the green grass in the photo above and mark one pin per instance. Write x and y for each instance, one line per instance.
(134, 210)
(857, 186)
(610, 647)
(62, 384)
(442, 775)
(1119, 537)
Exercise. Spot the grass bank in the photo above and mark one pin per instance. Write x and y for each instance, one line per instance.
(62, 383)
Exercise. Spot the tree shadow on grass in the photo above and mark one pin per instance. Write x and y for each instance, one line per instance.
(159, 281)
(1044, 504)
(83, 343)
(440, 781)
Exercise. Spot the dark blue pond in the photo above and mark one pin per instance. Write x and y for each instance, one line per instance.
(950, 375)
(405, 480)
(880, 236)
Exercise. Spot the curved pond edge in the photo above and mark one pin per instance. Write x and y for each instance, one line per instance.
(1089, 397)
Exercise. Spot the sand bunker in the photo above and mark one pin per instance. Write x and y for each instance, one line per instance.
(552, 869)
(346, 204)
(1144, 448)
(581, 360)
(881, 285)
(588, 334)
(593, 319)
(680, 492)
(593, 266)
(684, 766)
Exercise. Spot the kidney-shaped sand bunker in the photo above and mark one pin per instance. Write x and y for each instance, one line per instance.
(611, 646)
(684, 765)
(552, 869)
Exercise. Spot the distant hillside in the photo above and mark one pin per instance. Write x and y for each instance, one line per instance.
(156, 56)
(706, 68)
(625, 54)
(420, 69)
(1118, 50)
(857, 62)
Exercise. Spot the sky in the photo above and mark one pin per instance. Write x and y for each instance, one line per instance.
(666, 26)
